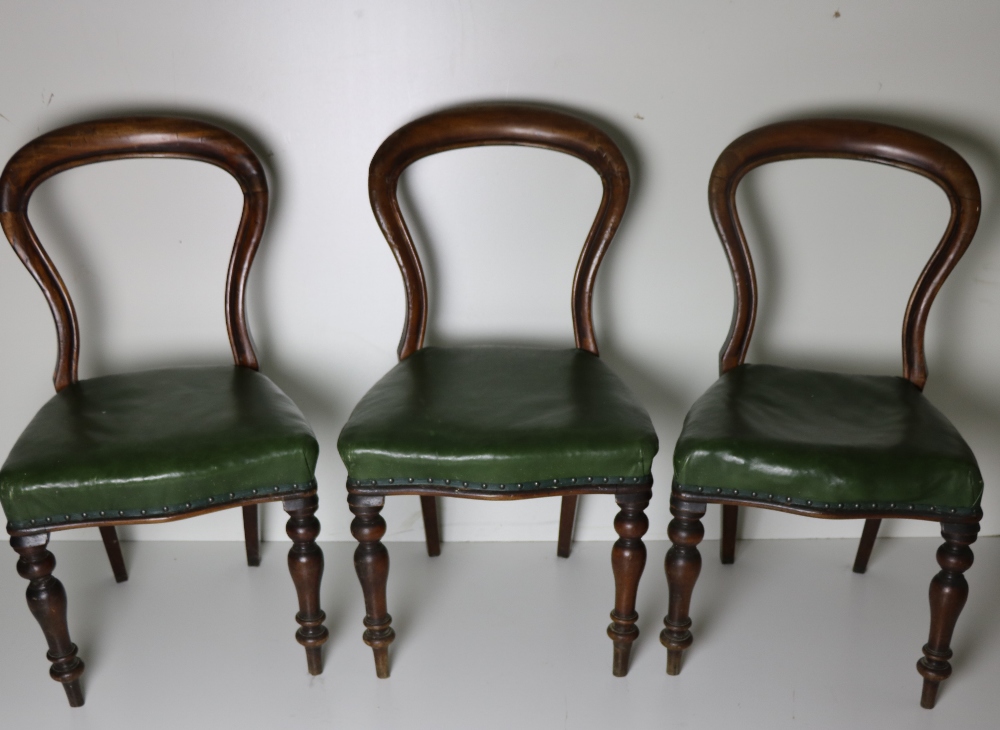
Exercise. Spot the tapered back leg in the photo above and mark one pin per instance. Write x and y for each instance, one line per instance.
(114, 550)
(567, 517)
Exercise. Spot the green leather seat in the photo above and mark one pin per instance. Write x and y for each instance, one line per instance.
(809, 438)
(156, 443)
(498, 418)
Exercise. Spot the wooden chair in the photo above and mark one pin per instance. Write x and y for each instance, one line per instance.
(159, 445)
(498, 423)
(824, 444)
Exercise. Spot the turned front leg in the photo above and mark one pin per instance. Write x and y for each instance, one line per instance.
(628, 558)
(47, 601)
(305, 563)
(682, 565)
(371, 561)
(948, 593)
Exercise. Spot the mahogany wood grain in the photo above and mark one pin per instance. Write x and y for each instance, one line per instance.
(567, 516)
(845, 139)
(628, 559)
(480, 125)
(682, 566)
(371, 561)
(305, 563)
(123, 138)
(432, 527)
(251, 533)
(857, 140)
(868, 536)
(47, 602)
(114, 550)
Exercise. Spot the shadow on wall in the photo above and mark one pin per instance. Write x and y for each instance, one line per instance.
(314, 399)
(651, 387)
(945, 364)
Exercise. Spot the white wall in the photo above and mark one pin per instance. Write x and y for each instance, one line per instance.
(316, 86)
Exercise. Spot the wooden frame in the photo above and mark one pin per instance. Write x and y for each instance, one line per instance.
(474, 126)
(123, 138)
(856, 140)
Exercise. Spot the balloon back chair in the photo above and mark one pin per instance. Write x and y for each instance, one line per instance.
(824, 444)
(159, 445)
(498, 423)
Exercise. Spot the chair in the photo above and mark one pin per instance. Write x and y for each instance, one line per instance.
(498, 423)
(825, 444)
(160, 445)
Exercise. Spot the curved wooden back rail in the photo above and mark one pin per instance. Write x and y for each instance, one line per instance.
(497, 124)
(115, 139)
(856, 140)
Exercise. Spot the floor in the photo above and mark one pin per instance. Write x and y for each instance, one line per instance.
(503, 635)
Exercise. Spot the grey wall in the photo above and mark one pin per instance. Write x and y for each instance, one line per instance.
(316, 86)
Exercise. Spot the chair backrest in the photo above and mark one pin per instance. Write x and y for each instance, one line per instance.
(497, 124)
(116, 139)
(856, 140)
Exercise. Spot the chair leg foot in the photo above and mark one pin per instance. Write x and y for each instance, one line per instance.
(567, 516)
(868, 536)
(730, 519)
(628, 558)
(114, 550)
(251, 534)
(432, 529)
(371, 561)
(47, 602)
(305, 563)
(948, 593)
(682, 565)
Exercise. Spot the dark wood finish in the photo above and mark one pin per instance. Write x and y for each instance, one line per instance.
(432, 534)
(251, 533)
(846, 139)
(628, 558)
(567, 517)
(115, 139)
(371, 561)
(497, 124)
(868, 536)
(682, 566)
(114, 550)
(727, 546)
(305, 563)
(47, 601)
(948, 593)
(854, 140)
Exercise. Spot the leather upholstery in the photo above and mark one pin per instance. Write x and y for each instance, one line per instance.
(492, 416)
(155, 443)
(802, 436)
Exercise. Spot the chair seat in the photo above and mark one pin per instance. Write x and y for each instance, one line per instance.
(152, 444)
(818, 439)
(498, 418)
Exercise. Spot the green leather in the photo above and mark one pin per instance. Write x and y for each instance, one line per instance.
(491, 416)
(802, 436)
(155, 443)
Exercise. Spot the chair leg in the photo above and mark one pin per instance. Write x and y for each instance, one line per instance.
(47, 601)
(251, 534)
(114, 550)
(567, 516)
(429, 508)
(727, 548)
(683, 564)
(305, 563)
(628, 558)
(948, 593)
(371, 561)
(868, 536)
